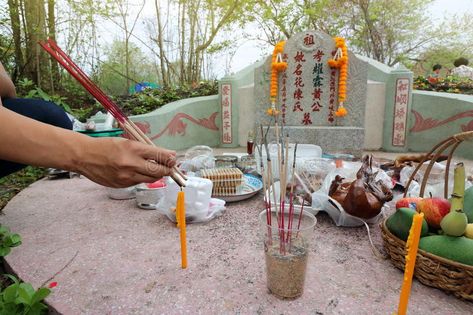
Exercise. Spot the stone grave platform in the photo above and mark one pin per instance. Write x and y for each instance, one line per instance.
(110, 257)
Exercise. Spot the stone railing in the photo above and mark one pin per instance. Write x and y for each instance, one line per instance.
(184, 123)
(435, 116)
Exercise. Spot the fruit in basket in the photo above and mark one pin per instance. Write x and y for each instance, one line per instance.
(469, 231)
(400, 223)
(468, 204)
(454, 223)
(434, 210)
(408, 202)
(459, 249)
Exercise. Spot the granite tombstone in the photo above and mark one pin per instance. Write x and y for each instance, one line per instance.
(308, 95)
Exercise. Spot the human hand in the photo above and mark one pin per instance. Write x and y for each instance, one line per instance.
(117, 162)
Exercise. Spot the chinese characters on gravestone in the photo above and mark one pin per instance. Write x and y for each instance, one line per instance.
(226, 113)
(308, 94)
(311, 89)
(400, 112)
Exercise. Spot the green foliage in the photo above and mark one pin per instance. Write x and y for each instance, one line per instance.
(22, 298)
(8, 240)
(10, 185)
(111, 73)
(151, 99)
(449, 84)
(31, 91)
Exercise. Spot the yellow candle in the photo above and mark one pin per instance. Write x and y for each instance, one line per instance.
(412, 245)
(181, 221)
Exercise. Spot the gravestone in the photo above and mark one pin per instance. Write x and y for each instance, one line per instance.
(308, 95)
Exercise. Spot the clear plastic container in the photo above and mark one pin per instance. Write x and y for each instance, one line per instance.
(304, 152)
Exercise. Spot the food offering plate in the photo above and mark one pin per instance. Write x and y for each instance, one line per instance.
(250, 187)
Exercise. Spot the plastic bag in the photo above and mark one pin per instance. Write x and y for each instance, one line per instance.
(323, 202)
(197, 158)
(435, 182)
(200, 207)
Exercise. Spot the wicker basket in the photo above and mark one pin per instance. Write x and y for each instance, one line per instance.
(432, 270)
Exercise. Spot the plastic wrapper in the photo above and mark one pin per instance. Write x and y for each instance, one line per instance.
(304, 152)
(200, 207)
(323, 202)
(197, 158)
(435, 182)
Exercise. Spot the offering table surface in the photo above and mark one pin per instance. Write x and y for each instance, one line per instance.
(110, 257)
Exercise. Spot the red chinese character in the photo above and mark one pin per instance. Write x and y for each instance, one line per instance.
(398, 139)
(297, 107)
(333, 52)
(309, 40)
(317, 93)
(399, 126)
(225, 102)
(299, 57)
(400, 113)
(402, 86)
(298, 94)
(316, 107)
(225, 90)
(402, 99)
(227, 138)
(318, 55)
(298, 82)
(298, 70)
(284, 57)
(307, 120)
(331, 118)
(226, 125)
(226, 114)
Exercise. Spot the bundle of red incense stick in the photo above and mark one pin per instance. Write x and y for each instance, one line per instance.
(66, 62)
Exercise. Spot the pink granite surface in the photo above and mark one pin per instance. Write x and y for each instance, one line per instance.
(128, 261)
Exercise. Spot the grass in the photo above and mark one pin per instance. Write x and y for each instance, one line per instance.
(14, 183)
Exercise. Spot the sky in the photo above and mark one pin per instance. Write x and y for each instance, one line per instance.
(249, 51)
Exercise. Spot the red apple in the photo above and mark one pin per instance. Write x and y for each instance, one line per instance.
(434, 210)
(408, 202)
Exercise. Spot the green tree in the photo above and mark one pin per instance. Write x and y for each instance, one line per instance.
(390, 31)
(111, 72)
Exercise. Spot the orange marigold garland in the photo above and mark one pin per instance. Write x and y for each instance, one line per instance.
(277, 65)
(340, 60)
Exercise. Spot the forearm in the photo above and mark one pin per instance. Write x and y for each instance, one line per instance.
(7, 88)
(113, 162)
(27, 141)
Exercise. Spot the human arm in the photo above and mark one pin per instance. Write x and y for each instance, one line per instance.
(7, 88)
(113, 162)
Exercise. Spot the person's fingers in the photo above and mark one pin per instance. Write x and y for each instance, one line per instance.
(160, 155)
(154, 170)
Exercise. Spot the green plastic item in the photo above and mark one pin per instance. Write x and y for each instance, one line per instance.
(117, 132)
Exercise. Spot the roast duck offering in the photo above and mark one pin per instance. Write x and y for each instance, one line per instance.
(365, 196)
